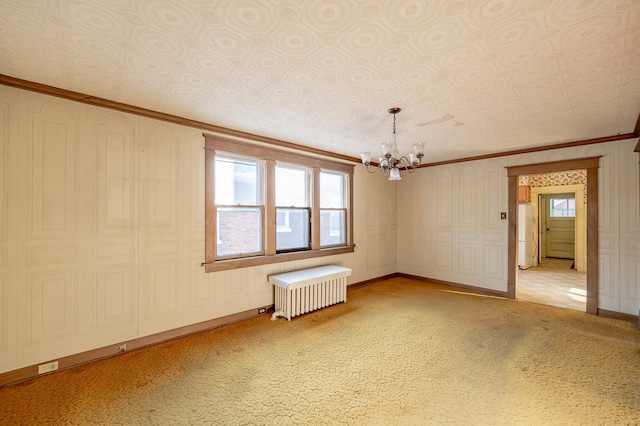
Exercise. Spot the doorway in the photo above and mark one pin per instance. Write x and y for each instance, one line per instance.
(591, 166)
(556, 214)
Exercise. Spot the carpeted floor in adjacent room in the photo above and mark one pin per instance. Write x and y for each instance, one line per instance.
(398, 352)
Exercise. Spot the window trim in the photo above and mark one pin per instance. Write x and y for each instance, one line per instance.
(271, 156)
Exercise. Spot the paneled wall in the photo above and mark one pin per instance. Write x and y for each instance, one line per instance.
(375, 225)
(8, 236)
(102, 228)
(102, 231)
(629, 233)
(451, 228)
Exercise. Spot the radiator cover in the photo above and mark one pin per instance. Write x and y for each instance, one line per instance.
(306, 290)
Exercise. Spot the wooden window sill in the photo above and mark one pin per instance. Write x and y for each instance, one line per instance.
(225, 265)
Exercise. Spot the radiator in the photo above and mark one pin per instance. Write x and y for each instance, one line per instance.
(307, 290)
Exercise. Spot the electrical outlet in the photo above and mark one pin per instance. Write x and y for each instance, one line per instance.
(122, 348)
(45, 368)
(262, 311)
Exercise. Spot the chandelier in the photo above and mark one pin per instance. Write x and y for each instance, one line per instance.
(391, 162)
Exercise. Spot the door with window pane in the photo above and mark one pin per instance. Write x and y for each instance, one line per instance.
(560, 223)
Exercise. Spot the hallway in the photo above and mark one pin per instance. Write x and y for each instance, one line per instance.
(554, 283)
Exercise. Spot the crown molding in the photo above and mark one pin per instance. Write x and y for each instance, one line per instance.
(131, 109)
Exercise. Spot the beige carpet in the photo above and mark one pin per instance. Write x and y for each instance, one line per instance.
(398, 352)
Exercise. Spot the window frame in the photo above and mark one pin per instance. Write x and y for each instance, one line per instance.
(343, 209)
(305, 206)
(260, 206)
(270, 156)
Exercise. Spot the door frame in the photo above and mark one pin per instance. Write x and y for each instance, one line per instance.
(591, 164)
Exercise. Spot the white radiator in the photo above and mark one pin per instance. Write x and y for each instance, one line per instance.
(307, 290)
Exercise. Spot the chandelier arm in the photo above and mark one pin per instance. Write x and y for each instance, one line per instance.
(407, 164)
(370, 171)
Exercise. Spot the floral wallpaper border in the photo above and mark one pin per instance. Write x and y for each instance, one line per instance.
(573, 177)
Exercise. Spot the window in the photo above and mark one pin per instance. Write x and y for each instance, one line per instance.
(265, 205)
(293, 230)
(239, 213)
(563, 207)
(332, 209)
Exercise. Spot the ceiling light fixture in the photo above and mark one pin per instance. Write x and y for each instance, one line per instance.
(391, 161)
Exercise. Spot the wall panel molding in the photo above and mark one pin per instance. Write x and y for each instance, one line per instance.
(53, 305)
(445, 199)
(492, 201)
(493, 263)
(53, 172)
(162, 287)
(444, 257)
(4, 312)
(115, 179)
(162, 196)
(114, 250)
(9, 285)
(467, 259)
(52, 254)
(112, 291)
(467, 204)
(4, 171)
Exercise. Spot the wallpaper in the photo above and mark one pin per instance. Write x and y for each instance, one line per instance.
(573, 177)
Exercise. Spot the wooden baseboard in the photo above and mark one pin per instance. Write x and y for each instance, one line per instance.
(617, 315)
(483, 291)
(371, 281)
(67, 362)
(469, 288)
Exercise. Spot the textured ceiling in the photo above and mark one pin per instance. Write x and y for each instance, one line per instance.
(471, 77)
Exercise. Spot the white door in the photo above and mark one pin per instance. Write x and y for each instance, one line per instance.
(560, 225)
